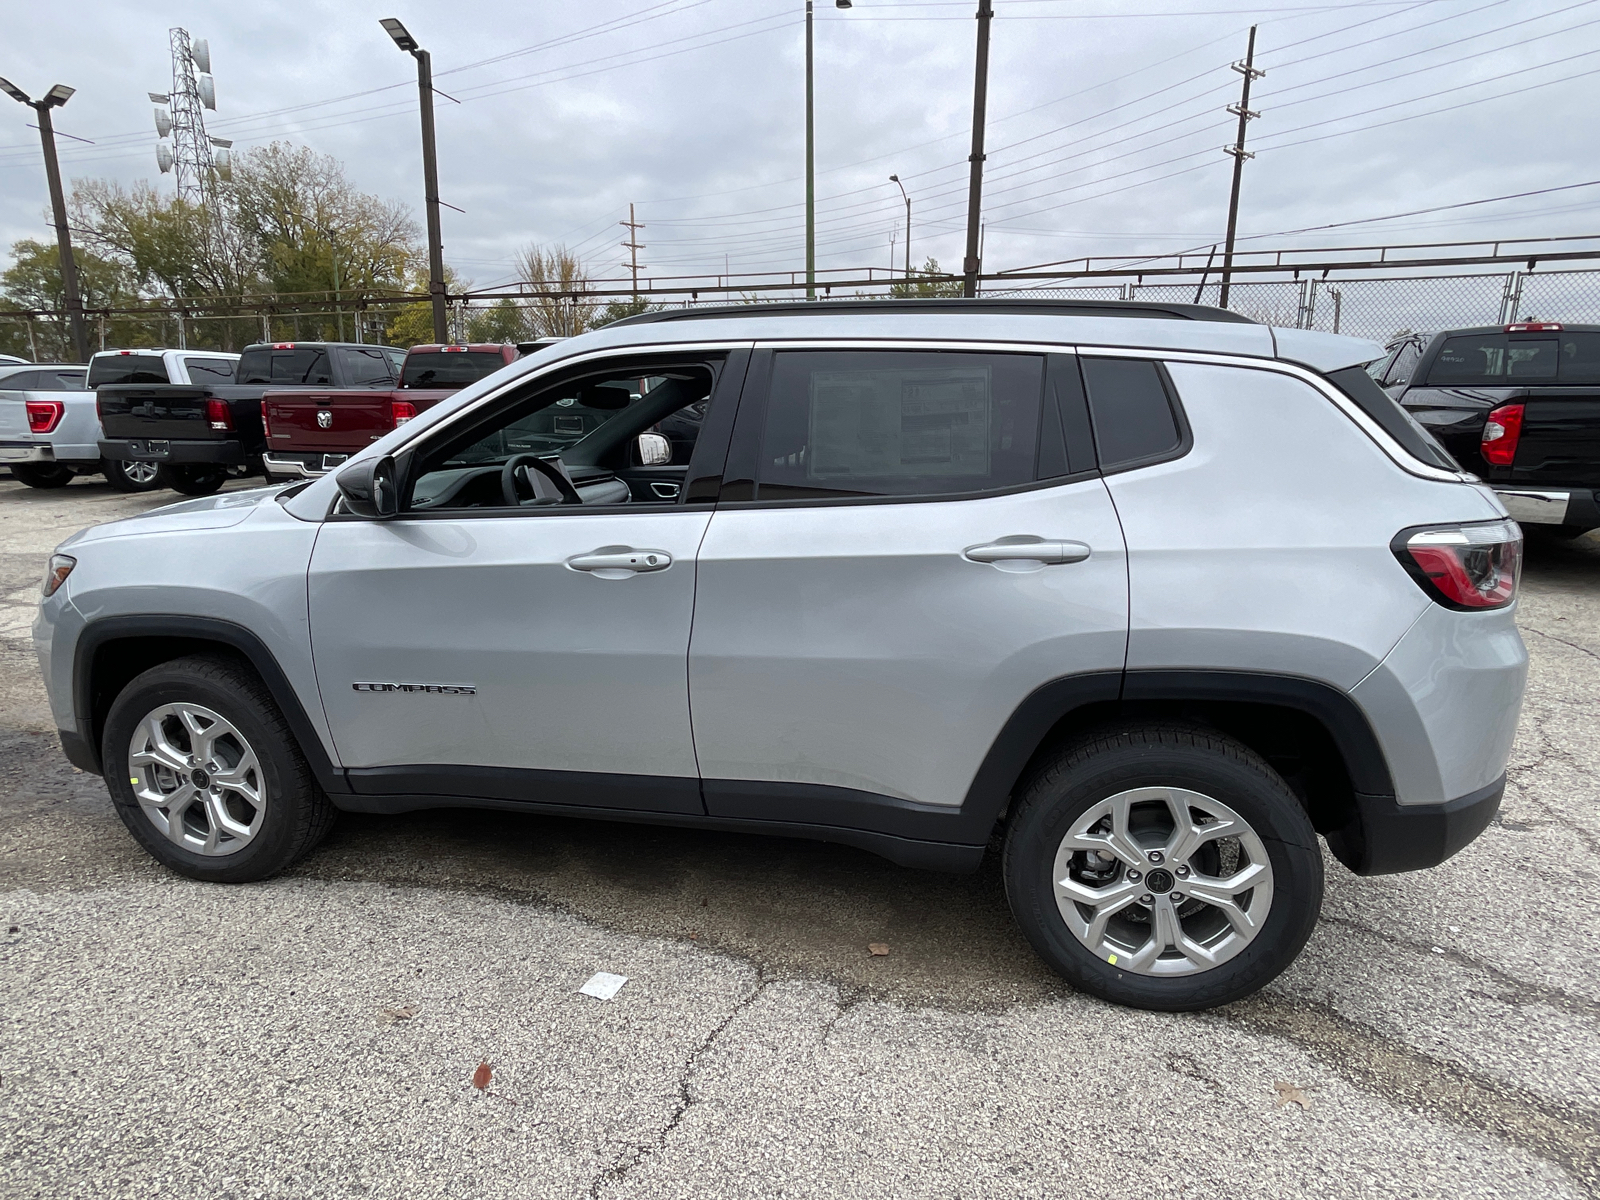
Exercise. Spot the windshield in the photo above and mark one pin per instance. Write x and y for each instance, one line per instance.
(1512, 359)
(448, 369)
(128, 368)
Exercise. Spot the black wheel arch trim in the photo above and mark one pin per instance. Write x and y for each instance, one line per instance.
(99, 633)
(1385, 837)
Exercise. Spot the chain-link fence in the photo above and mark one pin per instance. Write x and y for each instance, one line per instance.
(1375, 308)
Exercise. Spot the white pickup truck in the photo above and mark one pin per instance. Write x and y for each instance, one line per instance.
(50, 422)
(50, 430)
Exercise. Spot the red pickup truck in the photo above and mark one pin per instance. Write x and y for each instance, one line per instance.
(309, 432)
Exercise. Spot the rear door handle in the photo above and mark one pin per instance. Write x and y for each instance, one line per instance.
(618, 562)
(1042, 552)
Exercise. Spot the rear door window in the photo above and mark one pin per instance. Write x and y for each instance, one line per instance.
(21, 381)
(1405, 362)
(1135, 415)
(842, 423)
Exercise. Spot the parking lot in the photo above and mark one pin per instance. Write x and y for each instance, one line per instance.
(318, 1034)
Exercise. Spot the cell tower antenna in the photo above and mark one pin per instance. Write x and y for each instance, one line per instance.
(180, 114)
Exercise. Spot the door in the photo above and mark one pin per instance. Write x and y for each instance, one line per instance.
(910, 543)
(528, 644)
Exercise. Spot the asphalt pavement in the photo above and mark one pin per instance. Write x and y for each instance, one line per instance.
(318, 1035)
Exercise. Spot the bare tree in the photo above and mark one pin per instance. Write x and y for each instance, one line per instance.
(557, 286)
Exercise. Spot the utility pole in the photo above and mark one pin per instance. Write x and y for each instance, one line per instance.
(1242, 110)
(430, 173)
(55, 98)
(633, 246)
(980, 99)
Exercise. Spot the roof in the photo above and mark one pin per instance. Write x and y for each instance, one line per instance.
(989, 305)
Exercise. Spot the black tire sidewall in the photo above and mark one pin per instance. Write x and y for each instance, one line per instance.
(192, 480)
(274, 846)
(42, 475)
(1054, 800)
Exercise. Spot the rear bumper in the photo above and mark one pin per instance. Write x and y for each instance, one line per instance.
(1385, 837)
(226, 453)
(83, 459)
(302, 466)
(1551, 506)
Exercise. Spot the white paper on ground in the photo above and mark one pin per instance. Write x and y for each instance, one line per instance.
(603, 985)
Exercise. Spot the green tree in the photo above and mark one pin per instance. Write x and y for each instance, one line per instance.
(619, 309)
(33, 283)
(503, 321)
(926, 283)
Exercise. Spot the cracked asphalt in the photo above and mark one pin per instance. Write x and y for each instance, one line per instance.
(160, 1037)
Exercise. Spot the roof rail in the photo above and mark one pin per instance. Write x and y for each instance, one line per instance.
(1009, 306)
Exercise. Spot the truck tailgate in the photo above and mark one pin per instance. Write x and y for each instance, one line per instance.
(1560, 437)
(329, 421)
(155, 411)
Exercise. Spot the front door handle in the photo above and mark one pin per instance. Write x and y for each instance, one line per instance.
(1019, 551)
(618, 562)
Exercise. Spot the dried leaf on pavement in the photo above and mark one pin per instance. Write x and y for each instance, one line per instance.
(392, 1016)
(877, 949)
(481, 1077)
(1288, 1093)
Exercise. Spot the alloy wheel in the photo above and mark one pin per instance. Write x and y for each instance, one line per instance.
(197, 779)
(142, 473)
(1163, 881)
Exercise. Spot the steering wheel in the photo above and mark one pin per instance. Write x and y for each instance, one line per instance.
(508, 479)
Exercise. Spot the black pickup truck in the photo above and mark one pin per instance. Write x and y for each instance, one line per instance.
(1519, 405)
(199, 434)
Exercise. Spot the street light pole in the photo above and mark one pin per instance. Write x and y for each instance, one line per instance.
(896, 179)
(811, 162)
(430, 173)
(980, 100)
(54, 98)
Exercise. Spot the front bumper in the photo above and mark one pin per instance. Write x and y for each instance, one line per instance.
(1384, 837)
(1551, 506)
(301, 466)
(226, 453)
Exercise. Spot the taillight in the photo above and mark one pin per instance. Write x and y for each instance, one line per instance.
(266, 421)
(217, 413)
(56, 572)
(1533, 326)
(401, 411)
(44, 415)
(1501, 433)
(1464, 567)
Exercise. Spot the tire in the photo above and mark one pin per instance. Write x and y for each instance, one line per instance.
(42, 475)
(262, 813)
(1235, 946)
(192, 479)
(131, 476)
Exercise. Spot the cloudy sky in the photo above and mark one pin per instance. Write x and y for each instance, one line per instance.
(1106, 119)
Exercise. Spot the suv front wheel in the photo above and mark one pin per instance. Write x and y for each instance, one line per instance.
(206, 774)
(1162, 866)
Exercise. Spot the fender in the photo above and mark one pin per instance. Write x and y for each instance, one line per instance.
(99, 633)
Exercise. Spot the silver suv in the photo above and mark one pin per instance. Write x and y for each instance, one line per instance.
(1149, 596)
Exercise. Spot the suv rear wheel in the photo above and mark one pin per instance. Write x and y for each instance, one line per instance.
(205, 773)
(1162, 866)
(42, 475)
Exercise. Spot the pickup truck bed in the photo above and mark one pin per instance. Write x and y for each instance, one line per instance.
(197, 433)
(312, 431)
(1530, 430)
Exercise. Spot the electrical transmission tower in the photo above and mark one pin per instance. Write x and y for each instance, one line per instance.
(633, 245)
(196, 167)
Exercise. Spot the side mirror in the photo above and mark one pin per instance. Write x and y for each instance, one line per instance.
(368, 487)
(654, 449)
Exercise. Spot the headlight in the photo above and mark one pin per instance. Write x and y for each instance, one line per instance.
(56, 574)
